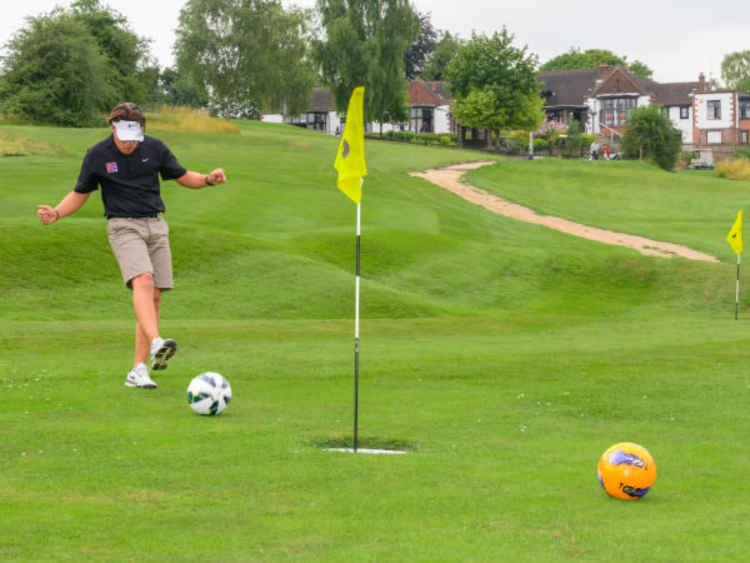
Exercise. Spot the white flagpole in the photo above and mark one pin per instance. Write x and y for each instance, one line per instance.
(737, 290)
(356, 326)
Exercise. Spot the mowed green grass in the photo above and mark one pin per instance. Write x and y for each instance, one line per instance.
(506, 357)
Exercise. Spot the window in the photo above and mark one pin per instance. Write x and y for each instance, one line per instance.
(713, 108)
(744, 109)
(744, 136)
(714, 137)
(684, 112)
(554, 115)
(421, 119)
(615, 111)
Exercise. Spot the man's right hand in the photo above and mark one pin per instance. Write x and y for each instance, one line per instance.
(47, 214)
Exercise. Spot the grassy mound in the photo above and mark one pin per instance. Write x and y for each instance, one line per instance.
(188, 119)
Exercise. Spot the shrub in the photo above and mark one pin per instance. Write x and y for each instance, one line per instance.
(742, 152)
(540, 144)
(442, 139)
(518, 140)
(586, 141)
(734, 169)
(404, 136)
(573, 140)
(651, 135)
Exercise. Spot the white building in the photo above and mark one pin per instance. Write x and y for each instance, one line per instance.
(603, 98)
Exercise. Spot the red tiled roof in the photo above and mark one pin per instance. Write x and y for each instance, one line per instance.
(423, 93)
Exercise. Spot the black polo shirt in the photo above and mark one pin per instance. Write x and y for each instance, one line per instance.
(130, 182)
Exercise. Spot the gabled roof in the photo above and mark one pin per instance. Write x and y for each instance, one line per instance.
(621, 81)
(567, 87)
(431, 94)
(674, 93)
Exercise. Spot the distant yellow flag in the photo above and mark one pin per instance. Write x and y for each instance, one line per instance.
(350, 159)
(734, 238)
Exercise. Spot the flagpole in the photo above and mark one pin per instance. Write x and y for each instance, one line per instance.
(356, 328)
(737, 290)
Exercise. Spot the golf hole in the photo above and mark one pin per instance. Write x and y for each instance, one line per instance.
(365, 445)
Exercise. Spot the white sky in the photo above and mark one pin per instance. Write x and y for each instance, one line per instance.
(678, 40)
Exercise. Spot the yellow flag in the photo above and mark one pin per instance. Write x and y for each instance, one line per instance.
(734, 238)
(350, 159)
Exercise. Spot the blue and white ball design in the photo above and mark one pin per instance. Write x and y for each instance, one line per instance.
(209, 393)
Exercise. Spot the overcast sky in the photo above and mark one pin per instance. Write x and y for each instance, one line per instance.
(678, 40)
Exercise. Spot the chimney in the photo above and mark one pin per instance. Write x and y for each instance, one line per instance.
(701, 82)
(602, 71)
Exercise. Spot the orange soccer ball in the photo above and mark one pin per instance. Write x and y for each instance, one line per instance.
(626, 470)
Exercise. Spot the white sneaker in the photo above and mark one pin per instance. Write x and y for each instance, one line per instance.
(161, 350)
(138, 377)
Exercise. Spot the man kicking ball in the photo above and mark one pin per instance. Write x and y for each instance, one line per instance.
(127, 165)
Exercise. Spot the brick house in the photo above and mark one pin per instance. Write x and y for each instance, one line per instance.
(601, 99)
(722, 119)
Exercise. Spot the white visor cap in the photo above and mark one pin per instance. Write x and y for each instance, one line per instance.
(129, 130)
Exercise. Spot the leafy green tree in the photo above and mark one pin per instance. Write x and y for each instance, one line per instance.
(575, 59)
(735, 70)
(420, 50)
(640, 69)
(494, 85)
(650, 135)
(445, 50)
(177, 90)
(245, 55)
(127, 54)
(365, 44)
(55, 72)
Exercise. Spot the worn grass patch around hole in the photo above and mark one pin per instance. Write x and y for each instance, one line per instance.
(365, 442)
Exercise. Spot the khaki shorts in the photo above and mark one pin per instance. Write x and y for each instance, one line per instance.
(141, 246)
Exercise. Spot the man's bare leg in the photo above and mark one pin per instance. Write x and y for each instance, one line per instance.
(142, 341)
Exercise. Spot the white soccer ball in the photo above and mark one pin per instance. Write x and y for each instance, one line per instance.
(209, 393)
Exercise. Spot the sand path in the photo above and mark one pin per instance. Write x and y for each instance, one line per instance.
(449, 178)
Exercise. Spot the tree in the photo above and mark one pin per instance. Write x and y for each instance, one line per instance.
(130, 73)
(420, 50)
(245, 55)
(444, 51)
(177, 90)
(640, 69)
(494, 85)
(365, 44)
(650, 135)
(55, 73)
(735, 70)
(573, 140)
(575, 59)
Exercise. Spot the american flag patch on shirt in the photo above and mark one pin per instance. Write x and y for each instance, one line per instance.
(111, 167)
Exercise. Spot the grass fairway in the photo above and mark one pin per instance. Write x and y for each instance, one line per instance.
(507, 357)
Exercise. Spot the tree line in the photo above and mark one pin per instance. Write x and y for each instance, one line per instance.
(239, 58)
